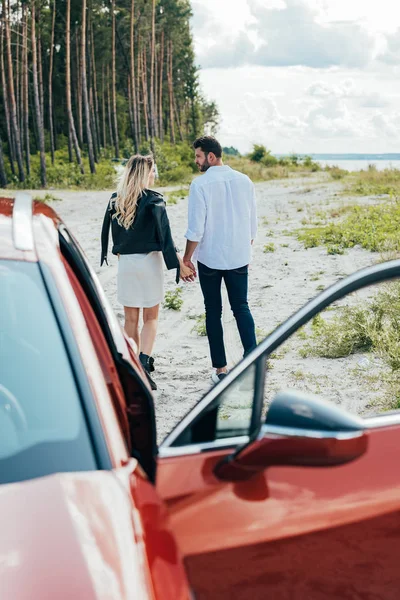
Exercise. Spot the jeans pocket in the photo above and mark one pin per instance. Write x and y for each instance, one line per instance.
(207, 271)
(242, 270)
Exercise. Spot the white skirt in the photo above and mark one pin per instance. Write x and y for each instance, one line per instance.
(140, 279)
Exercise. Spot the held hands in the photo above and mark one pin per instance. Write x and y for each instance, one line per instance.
(187, 270)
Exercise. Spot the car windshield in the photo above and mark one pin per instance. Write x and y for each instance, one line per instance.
(42, 426)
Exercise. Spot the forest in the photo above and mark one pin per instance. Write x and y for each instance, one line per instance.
(88, 82)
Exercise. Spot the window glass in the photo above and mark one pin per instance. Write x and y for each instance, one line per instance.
(42, 427)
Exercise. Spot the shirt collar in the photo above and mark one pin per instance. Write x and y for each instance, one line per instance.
(220, 167)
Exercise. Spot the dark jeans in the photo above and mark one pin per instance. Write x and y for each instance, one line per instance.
(236, 281)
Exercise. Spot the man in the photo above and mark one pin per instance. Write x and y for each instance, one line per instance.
(222, 225)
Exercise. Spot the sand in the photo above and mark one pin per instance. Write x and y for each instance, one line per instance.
(280, 282)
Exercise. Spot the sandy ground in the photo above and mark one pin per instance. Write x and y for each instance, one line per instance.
(280, 282)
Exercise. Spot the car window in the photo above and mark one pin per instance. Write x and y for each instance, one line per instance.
(349, 353)
(42, 426)
(236, 405)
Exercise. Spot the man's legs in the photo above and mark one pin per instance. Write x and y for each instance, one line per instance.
(210, 282)
(236, 281)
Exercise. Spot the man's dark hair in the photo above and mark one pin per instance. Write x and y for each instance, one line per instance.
(208, 143)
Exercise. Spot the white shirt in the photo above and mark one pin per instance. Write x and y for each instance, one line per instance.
(222, 218)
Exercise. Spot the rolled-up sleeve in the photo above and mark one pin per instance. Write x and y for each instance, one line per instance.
(253, 214)
(196, 214)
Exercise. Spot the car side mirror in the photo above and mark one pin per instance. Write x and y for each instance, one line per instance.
(299, 430)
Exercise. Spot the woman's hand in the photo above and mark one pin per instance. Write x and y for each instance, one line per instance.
(186, 273)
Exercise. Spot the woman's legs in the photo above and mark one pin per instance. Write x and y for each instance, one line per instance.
(132, 323)
(149, 331)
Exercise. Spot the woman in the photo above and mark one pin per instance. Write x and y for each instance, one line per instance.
(141, 237)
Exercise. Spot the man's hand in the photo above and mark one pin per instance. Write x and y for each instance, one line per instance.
(187, 273)
(188, 263)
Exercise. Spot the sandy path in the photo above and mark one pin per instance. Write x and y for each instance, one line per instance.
(280, 282)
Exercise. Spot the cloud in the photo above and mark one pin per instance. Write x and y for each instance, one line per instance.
(391, 55)
(292, 35)
(386, 125)
(347, 89)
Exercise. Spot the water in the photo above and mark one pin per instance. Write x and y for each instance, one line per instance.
(359, 164)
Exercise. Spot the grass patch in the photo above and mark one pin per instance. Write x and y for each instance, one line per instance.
(200, 325)
(373, 327)
(375, 228)
(269, 247)
(173, 300)
(375, 183)
(47, 198)
(175, 196)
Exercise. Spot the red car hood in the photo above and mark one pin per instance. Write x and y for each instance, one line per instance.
(70, 536)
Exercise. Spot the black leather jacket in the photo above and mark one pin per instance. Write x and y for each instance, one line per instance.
(149, 232)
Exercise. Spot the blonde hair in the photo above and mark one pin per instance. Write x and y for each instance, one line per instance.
(133, 181)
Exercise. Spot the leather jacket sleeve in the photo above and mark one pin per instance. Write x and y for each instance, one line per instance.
(165, 236)
(105, 233)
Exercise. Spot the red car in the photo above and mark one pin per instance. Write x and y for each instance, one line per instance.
(303, 504)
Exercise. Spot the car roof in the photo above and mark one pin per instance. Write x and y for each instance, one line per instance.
(17, 231)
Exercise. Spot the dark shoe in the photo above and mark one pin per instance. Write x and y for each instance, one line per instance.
(145, 360)
(151, 364)
(217, 378)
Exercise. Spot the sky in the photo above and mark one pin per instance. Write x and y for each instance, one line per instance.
(304, 76)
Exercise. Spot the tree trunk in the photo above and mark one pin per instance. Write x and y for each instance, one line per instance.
(89, 138)
(178, 120)
(103, 106)
(71, 125)
(18, 82)
(6, 107)
(3, 176)
(152, 58)
(40, 74)
(96, 99)
(38, 115)
(26, 91)
(79, 110)
(143, 70)
(133, 79)
(70, 155)
(160, 89)
(51, 83)
(109, 107)
(130, 107)
(171, 94)
(156, 123)
(114, 82)
(13, 106)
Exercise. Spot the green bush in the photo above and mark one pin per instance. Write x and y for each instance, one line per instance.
(200, 326)
(173, 299)
(374, 327)
(269, 247)
(375, 228)
(375, 183)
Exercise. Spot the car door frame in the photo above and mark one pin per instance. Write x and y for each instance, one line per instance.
(360, 279)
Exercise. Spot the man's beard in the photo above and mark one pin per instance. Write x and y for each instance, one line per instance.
(205, 166)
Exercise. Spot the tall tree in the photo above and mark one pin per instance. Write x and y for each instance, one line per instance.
(114, 81)
(25, 93)
(38, 114)
(152, 68)
(13, 105)
(73, 140)
(171, 93)
(78, 81)
(160, 89)
(133, 77)
(53, 21)
(11, 150)
(89, 138)
(3, 175)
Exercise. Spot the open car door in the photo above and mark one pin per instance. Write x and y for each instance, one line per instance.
(298, 500)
